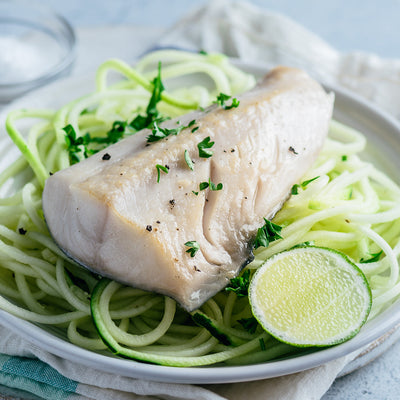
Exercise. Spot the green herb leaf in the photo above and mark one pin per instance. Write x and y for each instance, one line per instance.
(266, 234)
(203, 185)
(295, 189)
(152, 115)
(194, 247)
(249, 324)
(215, 187)
(344, 158)
(240, 284)
(222, 98)
(374, 257)
(159, 169)
(188, 160)
(306, 183)
(74, 145)
(262, 344)
(203, 147)
(159, 133)
(303, 185)
(211, 185)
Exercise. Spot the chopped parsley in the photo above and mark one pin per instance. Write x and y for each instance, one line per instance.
(211, 185)
(344, 158)
(240, 284)
(222, 98)
(269, 232)
(159, 133)
(114, 135)
(74, 145)
(194, 247)
(188, 160)
(78, 146)
(204, 147)
(159, 169)
(152, 115)
(303, 185)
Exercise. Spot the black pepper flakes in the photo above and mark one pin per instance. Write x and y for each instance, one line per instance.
(172, 203)
(106, 157)
(293, 150)
(232, 150)
(196, 269)
(22, 231)
(149, 228)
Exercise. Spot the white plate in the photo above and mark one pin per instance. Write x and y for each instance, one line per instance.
(383, 133)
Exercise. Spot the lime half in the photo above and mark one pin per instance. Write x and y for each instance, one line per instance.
(310, 296)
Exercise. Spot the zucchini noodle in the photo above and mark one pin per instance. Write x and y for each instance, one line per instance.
(343, 203)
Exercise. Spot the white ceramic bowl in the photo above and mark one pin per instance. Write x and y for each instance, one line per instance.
(383, 133)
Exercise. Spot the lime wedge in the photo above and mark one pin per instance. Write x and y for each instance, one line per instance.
(310, 296)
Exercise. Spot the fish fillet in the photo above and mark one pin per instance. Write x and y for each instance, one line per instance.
(111, 215)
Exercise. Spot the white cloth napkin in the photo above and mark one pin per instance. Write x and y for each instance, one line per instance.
(240, 30)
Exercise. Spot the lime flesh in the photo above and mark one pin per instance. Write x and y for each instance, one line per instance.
(310, 296)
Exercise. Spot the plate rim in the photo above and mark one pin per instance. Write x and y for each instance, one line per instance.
(209, 374)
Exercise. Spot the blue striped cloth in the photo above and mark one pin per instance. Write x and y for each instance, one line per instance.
(32, 379)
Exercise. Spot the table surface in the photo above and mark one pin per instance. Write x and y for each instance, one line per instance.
(347, 25)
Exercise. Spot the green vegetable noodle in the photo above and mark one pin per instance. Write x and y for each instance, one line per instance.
(342, 203)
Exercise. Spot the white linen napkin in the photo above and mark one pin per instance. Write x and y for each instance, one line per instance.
(240, 30)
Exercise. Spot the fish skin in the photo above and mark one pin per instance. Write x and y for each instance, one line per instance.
(114, 218)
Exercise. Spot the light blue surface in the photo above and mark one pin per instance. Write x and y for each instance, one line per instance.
(367, 25)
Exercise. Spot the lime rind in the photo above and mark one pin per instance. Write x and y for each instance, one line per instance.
(290, 294)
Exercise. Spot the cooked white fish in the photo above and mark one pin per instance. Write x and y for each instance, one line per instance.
(110, 214)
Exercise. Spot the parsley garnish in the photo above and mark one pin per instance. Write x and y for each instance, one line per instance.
(74, 145)
(113, 135)
(303, 185)
(211, 185)
(374, 257)
(193, 247)
(203, 185)
(203, 147)
(344, 158)
(222, 98)
(266, 234)
(188, 160)
(249, 324)
(159, 169)
(159, 133)
(152, 115)
(240, 284)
